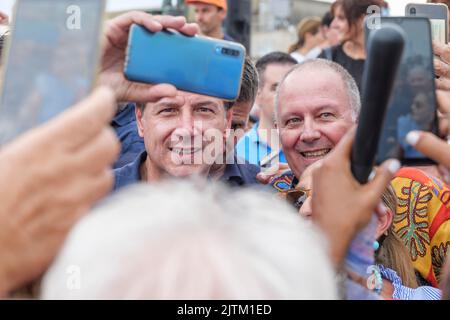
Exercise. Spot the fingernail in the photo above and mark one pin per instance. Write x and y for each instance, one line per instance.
(413, 137)
(372, 175)
(394, 166)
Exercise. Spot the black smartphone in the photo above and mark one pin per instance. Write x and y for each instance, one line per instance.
(413, 102)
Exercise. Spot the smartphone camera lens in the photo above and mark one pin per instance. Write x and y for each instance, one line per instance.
(412, 11)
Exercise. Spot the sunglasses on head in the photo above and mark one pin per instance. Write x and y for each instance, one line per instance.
(297, 197)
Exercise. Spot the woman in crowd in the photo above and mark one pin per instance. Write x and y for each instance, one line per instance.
(391, 255)
(349, 21)
(309, 40)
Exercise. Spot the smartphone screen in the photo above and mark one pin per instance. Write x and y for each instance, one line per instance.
(413, 101)
(50, 62)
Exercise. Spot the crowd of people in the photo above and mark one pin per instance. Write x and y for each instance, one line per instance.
(109, 200)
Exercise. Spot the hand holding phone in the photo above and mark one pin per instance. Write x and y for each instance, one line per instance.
(114, 52)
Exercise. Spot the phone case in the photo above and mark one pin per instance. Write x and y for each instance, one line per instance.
(435, 12)
(195, 64)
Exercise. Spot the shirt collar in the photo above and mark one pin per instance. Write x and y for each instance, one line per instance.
(233, 174)
(254, 136)
(131, 173)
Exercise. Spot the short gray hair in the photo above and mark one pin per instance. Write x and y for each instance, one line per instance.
(179, 240)
(349, 82)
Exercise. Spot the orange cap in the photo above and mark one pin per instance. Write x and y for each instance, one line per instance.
(218, 3)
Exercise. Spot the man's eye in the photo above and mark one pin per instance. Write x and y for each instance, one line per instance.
(236, 126)
(204, 110)
(326, 115)
(167, 111)
(293, 121)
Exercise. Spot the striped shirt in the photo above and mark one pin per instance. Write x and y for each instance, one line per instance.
(404, 293)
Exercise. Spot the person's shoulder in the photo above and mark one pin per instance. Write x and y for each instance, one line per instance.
(297, 56)
(227, 37)
(251, 168)
(129, 173)
(125, 116)
(330, 53)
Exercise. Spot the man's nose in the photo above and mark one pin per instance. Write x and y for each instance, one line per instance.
(187, 126)
(310, 131)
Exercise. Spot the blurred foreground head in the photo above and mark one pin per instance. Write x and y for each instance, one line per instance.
(180, 241)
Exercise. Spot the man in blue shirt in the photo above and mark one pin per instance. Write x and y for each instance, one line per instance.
(124, 124)
(183, 137)
(260, 146)
(234, 171)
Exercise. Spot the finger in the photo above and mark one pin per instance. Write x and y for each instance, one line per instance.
(85, 190)
(431, 146)
(145, 93)
(263, 178)
(97, 187)
(442, 69)
(442, 84)
(125, 21)
(438, 48)
(443, 100)
(176, 23)
(190, 29)
(383, 176)
(442, 51)
(85, 120)
(98, 154)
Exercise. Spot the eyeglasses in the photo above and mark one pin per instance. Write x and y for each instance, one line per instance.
(297, 197)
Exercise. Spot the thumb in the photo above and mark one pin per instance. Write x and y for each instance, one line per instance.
(431, 146)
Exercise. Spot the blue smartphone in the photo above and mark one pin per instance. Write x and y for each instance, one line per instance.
(197, 64)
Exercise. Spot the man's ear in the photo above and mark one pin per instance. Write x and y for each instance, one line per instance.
(229, 118)
(139, 114)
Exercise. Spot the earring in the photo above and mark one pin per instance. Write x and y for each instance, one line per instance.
(376, 245)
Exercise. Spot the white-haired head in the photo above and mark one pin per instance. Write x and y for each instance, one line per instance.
(180, 241)
(322, 64)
